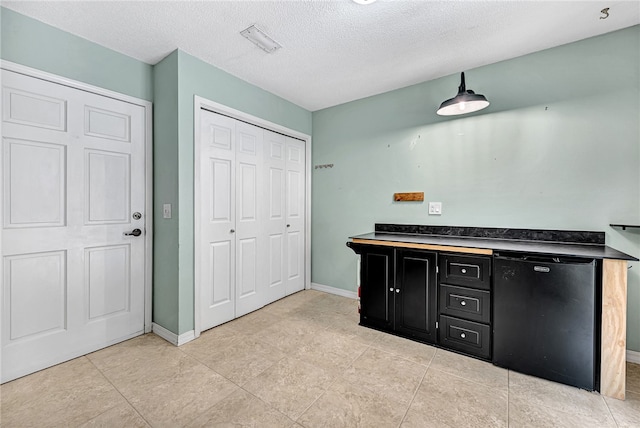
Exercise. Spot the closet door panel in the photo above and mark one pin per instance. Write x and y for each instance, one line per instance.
(295, 214)
(274, 199)
(217, 248)
(251, 250)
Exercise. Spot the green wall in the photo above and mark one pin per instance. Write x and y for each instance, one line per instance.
(35, 44)
(174, 268)
(559, 148)
(165, 191)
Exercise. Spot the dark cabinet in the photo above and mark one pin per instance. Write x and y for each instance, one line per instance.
(415, 295)
(398, 291)
(465, 304)
(377, 292)
(439, 298)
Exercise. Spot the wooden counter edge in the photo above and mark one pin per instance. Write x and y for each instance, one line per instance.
(433, 247)
(614, 329)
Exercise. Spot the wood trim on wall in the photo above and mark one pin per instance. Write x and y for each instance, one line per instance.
(614, 328)
(432, 247)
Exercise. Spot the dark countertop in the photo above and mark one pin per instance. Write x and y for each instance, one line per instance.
(537, 247)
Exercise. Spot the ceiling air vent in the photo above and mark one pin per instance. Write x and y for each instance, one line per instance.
(261, 39)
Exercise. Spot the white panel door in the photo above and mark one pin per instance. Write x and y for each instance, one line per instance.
(217, 248)
(250, 232)
(73, 174)
(275, 224)
(295, 215)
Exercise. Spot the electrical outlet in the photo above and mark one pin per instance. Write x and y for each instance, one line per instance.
(435, 208)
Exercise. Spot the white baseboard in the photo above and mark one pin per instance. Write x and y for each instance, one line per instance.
(334, 290)
(173, 338)
(633, 356)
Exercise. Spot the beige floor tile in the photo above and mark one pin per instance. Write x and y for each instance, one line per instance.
(349, 325)
(348, 405)
(240, 360)
(404, 348)
(289, 304)
(330, 350)
(381, 372)
(136, 376)
(471, 369)
(567, 399)
(119, 416)
(290, 386)
(215, 339)
(444, 400)
(331, 304)
(68, 394)
(633, 377)
(255, 322)
(172, 393)
(626, 413)
(523, 414)
(142, 348)
(228, 329)
(242, 409)
(288, 335)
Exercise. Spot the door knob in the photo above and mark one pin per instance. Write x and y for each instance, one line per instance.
(134, 232)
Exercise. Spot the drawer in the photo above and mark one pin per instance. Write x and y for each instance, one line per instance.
(466, 336)
(467, 271)
(465, 303)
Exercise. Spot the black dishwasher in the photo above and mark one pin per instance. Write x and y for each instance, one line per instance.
(545, 318)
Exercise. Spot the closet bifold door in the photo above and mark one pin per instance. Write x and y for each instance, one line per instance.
(217, 194)
(274, 200)
(250, 220)
(252, 217)
(295, 214)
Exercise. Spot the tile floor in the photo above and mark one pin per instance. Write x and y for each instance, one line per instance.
(300, 362)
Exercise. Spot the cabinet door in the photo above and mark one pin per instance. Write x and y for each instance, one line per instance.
(377, 287)
(415, 295)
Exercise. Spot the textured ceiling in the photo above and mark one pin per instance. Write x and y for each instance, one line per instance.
(334, 51)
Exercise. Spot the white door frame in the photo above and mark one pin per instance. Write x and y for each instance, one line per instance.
(200, 102)
(148, 108)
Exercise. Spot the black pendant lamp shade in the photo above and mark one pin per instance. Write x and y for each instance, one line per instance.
(466, 101)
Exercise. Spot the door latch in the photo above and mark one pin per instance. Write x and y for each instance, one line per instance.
(134, 232)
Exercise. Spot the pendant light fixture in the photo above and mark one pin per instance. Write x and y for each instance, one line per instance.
(466, 101)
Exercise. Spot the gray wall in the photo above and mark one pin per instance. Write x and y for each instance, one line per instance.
(559, 148)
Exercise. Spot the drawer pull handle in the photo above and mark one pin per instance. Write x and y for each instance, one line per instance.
(391, 289)
(462, 335)
(463, 303)
(463, 270)
(397, 290)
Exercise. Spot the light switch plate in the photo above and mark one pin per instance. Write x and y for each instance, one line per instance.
(435, 208)
(166, 211)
